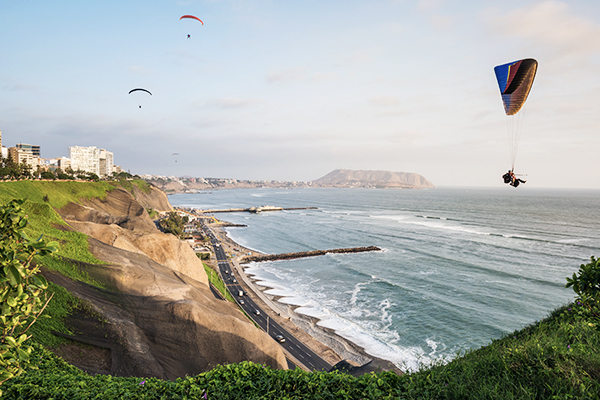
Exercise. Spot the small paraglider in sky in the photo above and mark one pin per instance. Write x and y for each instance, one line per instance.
(175, 154)
(515, 80)
(191, 17)
(140, 89)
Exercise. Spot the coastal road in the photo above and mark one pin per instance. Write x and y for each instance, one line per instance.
(295, 347)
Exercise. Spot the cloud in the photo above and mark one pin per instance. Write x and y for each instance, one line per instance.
(288, 75)
(384, 101)
(432, 10)
(323, 76)
(140, 70)
(20, 87)
(234, 102)
(299, 75)
(551, 26)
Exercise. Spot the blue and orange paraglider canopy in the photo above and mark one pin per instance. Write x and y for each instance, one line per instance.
(515, 80)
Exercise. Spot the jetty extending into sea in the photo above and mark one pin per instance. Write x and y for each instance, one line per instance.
(301, 254)
(254, 209)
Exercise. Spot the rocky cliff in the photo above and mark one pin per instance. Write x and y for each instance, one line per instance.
(165, 320)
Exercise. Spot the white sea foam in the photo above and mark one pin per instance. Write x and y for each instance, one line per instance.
(397, 304)
(407, 358)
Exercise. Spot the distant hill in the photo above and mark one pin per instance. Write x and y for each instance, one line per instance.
(373, 179)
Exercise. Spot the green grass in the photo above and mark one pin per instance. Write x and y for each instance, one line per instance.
(215, 279)
(58, 193)
(144, 186)
(60, 307)
(73, 246)
(556, 358)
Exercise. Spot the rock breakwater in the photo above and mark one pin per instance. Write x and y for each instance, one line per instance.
(302, 254)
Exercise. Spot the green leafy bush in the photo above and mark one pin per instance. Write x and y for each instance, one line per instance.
(174, 224)
(586, 283)
(21, 288)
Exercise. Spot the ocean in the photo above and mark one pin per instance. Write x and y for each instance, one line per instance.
(459, 266)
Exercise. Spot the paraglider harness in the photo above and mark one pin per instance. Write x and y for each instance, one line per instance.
(510, 178)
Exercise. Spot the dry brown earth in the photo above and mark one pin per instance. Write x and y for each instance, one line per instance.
(160, 312)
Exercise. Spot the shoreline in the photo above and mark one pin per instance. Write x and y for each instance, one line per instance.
(321, 339)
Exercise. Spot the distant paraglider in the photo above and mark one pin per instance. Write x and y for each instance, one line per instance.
(191, 17)
(515, 80)
(175, 154)
(140, 89)
(144, 90)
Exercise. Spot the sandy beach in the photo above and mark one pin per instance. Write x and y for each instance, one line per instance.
(325, 342)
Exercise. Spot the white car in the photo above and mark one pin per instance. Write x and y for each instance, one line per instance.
(280, 338)
(257, 312)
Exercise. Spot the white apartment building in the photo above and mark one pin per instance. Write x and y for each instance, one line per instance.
(91, 159)
(20, 156)
(106, 163)
(85, 159)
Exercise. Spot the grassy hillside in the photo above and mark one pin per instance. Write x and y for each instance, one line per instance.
(42, 199)
(556, 358)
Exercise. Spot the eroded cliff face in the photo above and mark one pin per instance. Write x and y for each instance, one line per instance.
(156, 199)
(157, 297)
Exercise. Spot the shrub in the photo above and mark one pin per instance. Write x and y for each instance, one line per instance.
(587, 282)
(21, 289)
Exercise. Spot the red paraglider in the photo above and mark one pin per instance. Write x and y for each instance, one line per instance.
(192, 17)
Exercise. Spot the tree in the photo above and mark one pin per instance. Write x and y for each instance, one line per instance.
(174, 224)
(48, 175)
(21, 288)
(587, 282)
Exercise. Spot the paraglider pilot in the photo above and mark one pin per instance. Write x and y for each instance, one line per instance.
(511, 179)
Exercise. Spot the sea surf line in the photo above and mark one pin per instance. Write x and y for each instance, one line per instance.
(483, 263)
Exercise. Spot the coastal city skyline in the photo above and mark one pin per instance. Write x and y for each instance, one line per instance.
(86, 159)
(290, 92)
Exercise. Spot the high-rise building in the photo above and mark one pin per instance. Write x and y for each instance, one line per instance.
(33, 149)
(91, 159)
(106, 163)
(64, 163)
(3, 149)
(20, 156)
(85, 159)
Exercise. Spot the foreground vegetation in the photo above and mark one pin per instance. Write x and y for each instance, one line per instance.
(556, 358)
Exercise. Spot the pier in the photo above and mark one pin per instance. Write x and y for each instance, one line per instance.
(254, 209)
(302, 254)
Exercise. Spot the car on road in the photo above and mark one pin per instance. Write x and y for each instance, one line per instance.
(241, 293)
(280, 338)
(257, 312)
(242, 301)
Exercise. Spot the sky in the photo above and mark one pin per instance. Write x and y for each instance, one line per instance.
(291, 90)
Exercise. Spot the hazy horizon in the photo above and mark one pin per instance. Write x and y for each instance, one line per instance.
(268, 90)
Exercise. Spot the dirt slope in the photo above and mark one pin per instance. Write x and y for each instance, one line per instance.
(157, 300)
